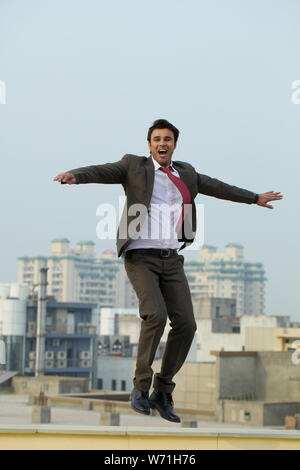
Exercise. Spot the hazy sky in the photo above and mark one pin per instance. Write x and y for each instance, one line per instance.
(86, 79)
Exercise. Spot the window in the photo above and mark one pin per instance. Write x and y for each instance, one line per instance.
(100, 384)
(114, 384)
(123, 385)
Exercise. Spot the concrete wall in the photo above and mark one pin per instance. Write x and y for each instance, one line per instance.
(104, 438)
(49, 385)
(196, 385)
(222, 325)
(249, 413)
(236, 374)
(258, 413)
(275, 413)
(270, 374)
(208, 341)
(277, 378)
(259, 338)
(206, 307)
(73, 386)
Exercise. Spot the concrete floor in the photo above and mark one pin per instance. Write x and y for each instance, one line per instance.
(15, 410)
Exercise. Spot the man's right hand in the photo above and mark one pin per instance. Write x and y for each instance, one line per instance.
(65, 178)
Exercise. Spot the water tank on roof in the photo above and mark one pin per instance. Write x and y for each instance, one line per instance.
(13, 317)
(19, 291)
(4, 291)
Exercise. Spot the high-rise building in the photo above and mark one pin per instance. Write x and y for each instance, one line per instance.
(227, 274)
(79, 276)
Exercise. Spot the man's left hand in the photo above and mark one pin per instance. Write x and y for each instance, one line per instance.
(264, 198)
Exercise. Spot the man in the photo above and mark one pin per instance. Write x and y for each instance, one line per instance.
(166, 189)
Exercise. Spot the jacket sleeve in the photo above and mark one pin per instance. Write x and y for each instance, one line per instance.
(108, 173)
(216, 188)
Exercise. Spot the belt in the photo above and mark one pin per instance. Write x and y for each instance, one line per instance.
(164, 253)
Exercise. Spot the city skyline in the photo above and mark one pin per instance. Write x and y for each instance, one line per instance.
(79, 275)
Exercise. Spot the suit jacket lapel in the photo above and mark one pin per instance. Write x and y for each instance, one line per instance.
(149, 178)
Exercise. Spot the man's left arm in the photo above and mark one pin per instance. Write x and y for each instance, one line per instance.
(216, 188)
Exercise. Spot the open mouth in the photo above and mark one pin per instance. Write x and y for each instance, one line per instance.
(162, 152)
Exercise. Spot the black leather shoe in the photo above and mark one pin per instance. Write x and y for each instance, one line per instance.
(163, 403)
(140, 401)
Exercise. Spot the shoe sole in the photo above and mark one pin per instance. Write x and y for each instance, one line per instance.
(154, 406)
(140, 411)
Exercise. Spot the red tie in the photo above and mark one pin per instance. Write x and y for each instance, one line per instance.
(186, 196)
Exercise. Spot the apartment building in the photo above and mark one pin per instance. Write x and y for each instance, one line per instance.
(77, 275)
(228, 275)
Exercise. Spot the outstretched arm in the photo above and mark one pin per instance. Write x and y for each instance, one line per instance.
(109, 173)
(216, 188)
(213, 187)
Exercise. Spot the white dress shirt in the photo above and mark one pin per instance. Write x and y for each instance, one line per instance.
(158, 230)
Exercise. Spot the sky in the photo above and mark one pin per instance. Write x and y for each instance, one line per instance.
(86, 79)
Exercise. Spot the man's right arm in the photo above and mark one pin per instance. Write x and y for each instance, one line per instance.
(108, 173)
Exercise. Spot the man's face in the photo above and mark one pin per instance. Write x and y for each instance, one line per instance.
(162, 146)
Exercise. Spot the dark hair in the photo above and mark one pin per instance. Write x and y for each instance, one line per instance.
(163, 124)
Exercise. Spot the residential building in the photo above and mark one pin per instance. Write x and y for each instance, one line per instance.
(71, 339)
(79, 276)
(228, 275)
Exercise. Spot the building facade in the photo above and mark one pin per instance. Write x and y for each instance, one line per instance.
(70, 343)
(79, 276)
(227, 274)
(71, 331)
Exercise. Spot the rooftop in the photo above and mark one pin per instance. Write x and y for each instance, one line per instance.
(73, 428)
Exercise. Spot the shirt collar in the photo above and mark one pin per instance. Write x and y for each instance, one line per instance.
(157, 165)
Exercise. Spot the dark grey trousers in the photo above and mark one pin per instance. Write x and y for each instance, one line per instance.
(163, 292)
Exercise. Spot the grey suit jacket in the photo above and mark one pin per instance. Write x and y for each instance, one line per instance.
(136, 174)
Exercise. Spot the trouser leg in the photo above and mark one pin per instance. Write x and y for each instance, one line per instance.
(144, 274)
(176, 293)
